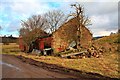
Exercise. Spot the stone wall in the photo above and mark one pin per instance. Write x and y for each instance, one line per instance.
(68, 33)
(86, 37)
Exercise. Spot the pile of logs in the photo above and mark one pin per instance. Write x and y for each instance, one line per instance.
(90, 52)
(94, 52)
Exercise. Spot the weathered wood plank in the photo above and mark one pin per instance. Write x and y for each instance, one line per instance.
(72, 54)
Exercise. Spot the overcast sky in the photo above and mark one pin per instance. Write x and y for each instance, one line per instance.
(103, 14)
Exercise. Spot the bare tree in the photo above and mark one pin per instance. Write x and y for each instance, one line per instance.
(55, 19)
(36, 21)
(82, 20)
(32, 28)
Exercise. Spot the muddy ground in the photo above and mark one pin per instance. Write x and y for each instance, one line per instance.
(21, 67)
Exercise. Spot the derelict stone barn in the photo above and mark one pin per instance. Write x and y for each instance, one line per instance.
(67, 33)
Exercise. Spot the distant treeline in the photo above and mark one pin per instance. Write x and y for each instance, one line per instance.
(94, 38)
(9, 39)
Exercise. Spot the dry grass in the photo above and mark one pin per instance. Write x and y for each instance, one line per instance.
(109, 39)
(12, 48)
(106, 65)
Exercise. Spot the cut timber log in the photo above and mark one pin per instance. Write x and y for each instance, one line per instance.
(73, 54)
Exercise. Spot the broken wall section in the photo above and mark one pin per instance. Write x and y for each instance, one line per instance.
(68, 33)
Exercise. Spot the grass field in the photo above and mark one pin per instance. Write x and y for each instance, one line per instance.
(106, 65)
(12, 48)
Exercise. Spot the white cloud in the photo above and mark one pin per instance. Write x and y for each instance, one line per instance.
(100, 8)
(82, 0)
(26, 7)
(103, 15)
(99, 21)
(103, 25)
(61, 0)
(104, 33)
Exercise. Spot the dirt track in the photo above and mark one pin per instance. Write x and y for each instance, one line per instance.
(15, 68)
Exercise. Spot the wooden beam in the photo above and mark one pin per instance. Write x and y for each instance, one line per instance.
(72, 54)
